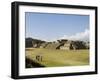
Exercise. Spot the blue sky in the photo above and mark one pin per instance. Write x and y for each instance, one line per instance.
(47, 26)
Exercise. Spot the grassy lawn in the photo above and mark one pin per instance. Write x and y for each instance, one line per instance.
(53, 58)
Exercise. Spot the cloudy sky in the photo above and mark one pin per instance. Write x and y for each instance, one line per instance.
(78, 36)
(51, 27)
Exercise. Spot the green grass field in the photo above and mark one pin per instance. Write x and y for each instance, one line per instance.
(53, 58)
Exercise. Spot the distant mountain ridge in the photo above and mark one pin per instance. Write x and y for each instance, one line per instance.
(30, 41)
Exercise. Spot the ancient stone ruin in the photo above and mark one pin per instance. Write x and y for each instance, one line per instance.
(62, 44)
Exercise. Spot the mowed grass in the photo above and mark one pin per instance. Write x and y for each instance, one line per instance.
(53, 58)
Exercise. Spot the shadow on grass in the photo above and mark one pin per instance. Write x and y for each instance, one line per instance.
(32, 64)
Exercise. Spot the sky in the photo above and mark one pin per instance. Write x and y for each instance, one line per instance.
(50, 26)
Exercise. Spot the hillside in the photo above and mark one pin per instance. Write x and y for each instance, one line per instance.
(29, 42)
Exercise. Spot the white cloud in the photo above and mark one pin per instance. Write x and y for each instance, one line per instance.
(84, 36)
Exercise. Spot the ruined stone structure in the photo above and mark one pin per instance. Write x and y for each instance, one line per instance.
(60, 45)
